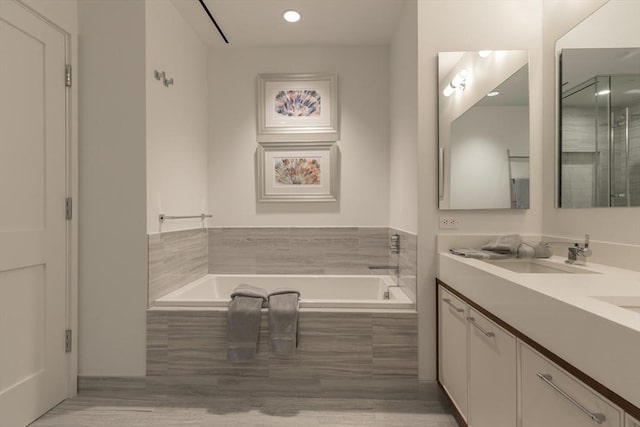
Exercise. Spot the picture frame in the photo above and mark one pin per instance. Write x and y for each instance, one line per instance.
(302, 172)
(298, 107)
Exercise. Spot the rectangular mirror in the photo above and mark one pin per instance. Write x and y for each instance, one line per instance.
(483, 129)
(598, 112)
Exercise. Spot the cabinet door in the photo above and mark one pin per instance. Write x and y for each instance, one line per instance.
(632, 422)
(492, 374)
(453, 348)
(553, 398)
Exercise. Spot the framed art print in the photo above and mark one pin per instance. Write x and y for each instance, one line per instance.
(297, 107)
(306, 172)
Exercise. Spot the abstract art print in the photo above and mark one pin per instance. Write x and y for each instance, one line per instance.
(287, 172)
(297, 107)
(298, 103)
(297, 171)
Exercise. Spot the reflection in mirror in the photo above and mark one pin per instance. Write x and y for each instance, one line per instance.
(483, 118)
(598, 110)
(600, 128)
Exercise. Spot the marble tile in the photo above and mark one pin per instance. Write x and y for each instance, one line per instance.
(175, 259)
(353, 351)
(408, 261)
(297, 250)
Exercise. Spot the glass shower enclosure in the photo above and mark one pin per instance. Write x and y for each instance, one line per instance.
(600, 142)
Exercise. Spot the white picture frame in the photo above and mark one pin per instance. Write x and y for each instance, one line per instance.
(297, 107)
(303, 172)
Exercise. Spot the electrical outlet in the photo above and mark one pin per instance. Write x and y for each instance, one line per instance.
(449, 223)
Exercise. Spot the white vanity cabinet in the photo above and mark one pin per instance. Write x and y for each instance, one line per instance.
(453, 342)
(551, 397)
(630, 422)
(492, 374)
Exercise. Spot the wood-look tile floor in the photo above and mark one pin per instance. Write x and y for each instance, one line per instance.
(110, 409)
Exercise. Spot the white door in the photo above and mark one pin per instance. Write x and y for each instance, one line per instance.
(32, 221)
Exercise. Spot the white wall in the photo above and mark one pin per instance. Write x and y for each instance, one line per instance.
(619, 225)
(113, 242)
(446, 26)
(177, 125)
(479, 172)
(363, 85)
(403, 164)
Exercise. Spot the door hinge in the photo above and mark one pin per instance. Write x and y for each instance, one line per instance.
(68, 208)
(67, 75)
(67, 340)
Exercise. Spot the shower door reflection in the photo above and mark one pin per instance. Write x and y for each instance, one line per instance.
(600, 142)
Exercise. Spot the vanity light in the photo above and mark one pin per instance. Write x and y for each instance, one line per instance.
(484, 53)
(604, 92)
(291, 15)
(459, 82)
(494, 93)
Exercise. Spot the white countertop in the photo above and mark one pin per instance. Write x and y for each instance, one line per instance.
(559, 312)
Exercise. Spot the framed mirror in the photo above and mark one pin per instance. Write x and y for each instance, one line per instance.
(483, 130)
(598, 110)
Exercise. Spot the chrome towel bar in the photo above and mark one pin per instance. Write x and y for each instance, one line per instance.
(162, 217)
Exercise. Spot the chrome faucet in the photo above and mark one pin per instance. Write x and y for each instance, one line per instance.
(578, 254)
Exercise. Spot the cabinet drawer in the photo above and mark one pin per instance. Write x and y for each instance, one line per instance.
(453, 347)
(492, 373)
(550, 397)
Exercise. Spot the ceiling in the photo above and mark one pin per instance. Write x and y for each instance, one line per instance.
(259, 23)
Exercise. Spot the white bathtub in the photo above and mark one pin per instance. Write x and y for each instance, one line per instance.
(214, 290)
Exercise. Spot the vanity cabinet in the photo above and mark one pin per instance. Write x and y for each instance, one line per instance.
(492, 374)
(551, 397)
(453, 348)
(630, 422)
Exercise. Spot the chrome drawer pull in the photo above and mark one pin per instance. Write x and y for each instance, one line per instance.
(480, 328)
(598, 418)
(448, 301)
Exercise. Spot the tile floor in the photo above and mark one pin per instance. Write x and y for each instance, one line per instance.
(137, 409)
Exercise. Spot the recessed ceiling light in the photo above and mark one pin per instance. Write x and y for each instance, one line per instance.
(494, 93)
(291, 15)
(484, 53)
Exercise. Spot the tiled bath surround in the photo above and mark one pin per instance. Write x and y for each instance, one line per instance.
(285, 250)
(408, 262)
(346, 354)
(179, 257)
(175, 259)
(340, 354)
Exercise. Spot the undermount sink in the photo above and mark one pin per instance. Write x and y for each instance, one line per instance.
(627, 302)
(538, 266)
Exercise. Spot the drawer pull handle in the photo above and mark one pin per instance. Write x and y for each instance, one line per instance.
(448, 301)
(480, 328)
(598, 418)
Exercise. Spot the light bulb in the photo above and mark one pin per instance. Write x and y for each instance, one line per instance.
(448, 90)
(291, 15)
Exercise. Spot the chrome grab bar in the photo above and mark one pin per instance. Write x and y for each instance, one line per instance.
(480, 328)
(448, 301)
(596, 417)
(162, 217)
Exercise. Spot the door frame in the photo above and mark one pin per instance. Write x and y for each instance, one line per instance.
(63, 18)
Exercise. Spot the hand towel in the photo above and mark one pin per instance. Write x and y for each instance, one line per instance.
(283, 320)
(480, 254)
(504, 244)
(243, 322)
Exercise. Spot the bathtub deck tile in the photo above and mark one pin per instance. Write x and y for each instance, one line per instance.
(157, 343)
(175, 259)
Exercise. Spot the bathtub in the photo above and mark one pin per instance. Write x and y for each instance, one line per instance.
(326, 291)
